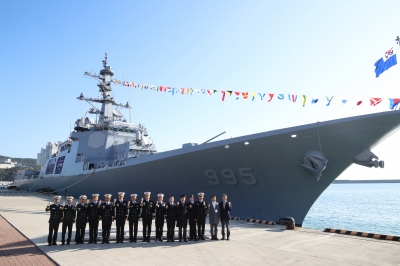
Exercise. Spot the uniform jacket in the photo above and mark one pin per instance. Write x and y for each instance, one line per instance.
(94, 210)
(160, 211)
(121, 210)
(193, 209)
(107, 211)
(182, 214)
(214, 213)
(56, 213)
(82, 212)
(69, 213)
(148, 210)
(171, 212)
(134, 210)
(201, 209)
(225, 214)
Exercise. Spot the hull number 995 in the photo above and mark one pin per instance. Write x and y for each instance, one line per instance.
(229, 177)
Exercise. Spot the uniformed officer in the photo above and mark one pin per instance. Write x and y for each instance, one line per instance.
(94, 218)
(133, 217)
(81, 219)
(107, 218)
(56, 215)
(171, 219)
(160, 216)
(147, 216)
(121, 212)
(182, 213)
(68, 220)
(201, 215)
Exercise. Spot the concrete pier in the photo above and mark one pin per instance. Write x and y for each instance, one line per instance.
(250, 243)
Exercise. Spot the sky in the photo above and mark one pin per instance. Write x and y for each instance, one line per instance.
(325, 48)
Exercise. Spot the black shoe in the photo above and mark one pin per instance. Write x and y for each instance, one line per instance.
(195, 239)
(148, 240)
(77, 243)
(227, 238)
(49, 244)
(81, 242)
(191, 239)
(117, 242)
(131, 240)
(168, 240)
(103, 242)
(108, 241)
(134, 240)
(156, 240)
(54, 244)
(161, 240)
(223, 238)
(95, 241)
(144, 240)
(172, 240)
(90, 242)
(68, 243)
(216, 238)
(180, 240)
(62, 243)
(185, 240)
(122, 241)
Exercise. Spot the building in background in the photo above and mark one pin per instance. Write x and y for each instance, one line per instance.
(7, 164)
(45, 153)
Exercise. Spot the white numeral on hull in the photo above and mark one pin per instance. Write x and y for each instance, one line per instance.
(230, 178)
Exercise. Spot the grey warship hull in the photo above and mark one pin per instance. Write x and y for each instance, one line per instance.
(261, 173)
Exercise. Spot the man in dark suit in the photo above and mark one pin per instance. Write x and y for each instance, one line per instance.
(225, 216)
(201, 215)
(56, 215)
(192, 219)
(134, 216)
(107, 218)
(170, 210)
(81, 219)
(121, 212)
(147, 216)
(94, 218)
(68, 220)
(182, 213)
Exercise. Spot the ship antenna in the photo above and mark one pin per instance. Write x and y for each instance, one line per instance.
(398, 40)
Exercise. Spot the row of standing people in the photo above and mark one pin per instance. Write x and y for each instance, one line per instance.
(120, 211)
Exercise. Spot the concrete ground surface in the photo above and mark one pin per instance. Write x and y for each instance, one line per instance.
(250, 243)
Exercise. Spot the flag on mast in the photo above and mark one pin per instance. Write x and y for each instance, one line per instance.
(388, 60)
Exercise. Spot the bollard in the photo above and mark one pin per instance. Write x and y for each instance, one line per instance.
(288, 221)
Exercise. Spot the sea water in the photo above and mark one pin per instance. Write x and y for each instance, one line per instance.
(362, 207)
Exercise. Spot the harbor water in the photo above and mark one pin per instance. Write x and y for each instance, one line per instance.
(363, 207)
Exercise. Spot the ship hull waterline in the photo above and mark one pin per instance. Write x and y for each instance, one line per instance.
(263, 180)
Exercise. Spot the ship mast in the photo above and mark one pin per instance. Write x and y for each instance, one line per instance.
(107, 101)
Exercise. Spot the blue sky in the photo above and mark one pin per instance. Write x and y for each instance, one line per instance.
(298, 47)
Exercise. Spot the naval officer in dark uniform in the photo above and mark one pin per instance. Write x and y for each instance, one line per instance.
(94, 218)
(160, 217)
(121, 212)
(147, 216)
(56, 215)
(82, 210)
(68, 220)
(192, 218)
(133, 217)
(201, 215)
(170, 210)
(182, 217)
(107, 218)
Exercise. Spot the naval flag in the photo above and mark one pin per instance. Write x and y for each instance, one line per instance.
(387, 61)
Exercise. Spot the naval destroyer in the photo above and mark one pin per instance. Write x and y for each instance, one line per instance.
(266, 175)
